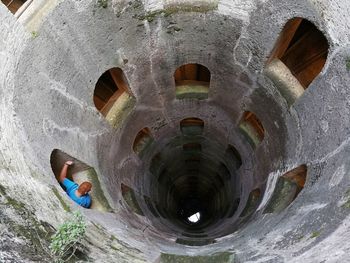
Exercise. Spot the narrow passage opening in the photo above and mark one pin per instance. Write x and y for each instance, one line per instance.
(13, 5)
(252, 128)
(192, 81)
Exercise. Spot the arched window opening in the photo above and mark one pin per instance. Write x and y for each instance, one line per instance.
(252, 128)
(151, 206)
(192, 126)
(298, 57)
(13, 5)
(157, 165)
(78, 173)
(112, 97)
(232, 155)
(129, 196)
(142, 141)
(224, 172)
(192, 81)
(234, 207)
(287, 188)
(252, 203)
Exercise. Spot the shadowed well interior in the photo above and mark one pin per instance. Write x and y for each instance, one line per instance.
(193, 184)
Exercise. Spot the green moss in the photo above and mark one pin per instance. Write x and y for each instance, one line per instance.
(150, 16)
(197, 242)
(347, 63)
(35, 232)
(300, 238)
(170, 10)
(250, 134)
(102, 3)
(315, 234)
(2, 190)
(142, 147)
(347, 197)
(203, 8)
(252, 203)
(284, 194)
(130, 198)
(34, 34)
(17, 205)
(346, 204)
(193, 91)
(59, 197)
(123, 247)
(136, 4)
(221, 257)
(98, 226)
(14, 203)
(120, 110)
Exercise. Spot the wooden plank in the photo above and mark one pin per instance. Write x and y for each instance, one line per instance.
(119, 79)
(307, 56)
(285, 38)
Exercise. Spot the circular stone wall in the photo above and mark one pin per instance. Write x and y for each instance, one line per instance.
(261, 161)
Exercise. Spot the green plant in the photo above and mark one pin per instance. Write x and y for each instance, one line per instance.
(68, 238)
(315, 234)
(34, 34)
(102, 3)
(347, 63)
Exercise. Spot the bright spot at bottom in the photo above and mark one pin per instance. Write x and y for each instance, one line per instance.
(195, 217)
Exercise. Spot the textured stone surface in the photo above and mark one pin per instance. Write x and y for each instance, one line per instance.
(47, 81)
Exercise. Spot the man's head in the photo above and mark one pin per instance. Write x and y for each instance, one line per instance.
(84, 188)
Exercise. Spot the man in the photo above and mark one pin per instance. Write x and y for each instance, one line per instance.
(78, 193)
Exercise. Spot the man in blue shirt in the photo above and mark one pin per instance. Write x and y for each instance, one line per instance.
(78, 193)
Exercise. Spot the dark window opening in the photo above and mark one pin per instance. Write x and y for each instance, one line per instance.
(192, 147)
(234, 207)
(157, 165)
(13, 5)
(233, 156)
(252, 128)
(129, 196)
(303, 49)
(297, 176)
(252, 203)
(163, 177)
(112, 90)
(224, 172)
(151, 206)
(287, 189)
(192, 126)
(192, 81)
(142, 140)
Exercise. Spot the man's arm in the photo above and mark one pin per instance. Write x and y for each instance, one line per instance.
(63, 173)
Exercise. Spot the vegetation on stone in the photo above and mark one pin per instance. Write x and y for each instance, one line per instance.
(68, 238)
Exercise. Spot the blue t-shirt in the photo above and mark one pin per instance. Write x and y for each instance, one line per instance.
(71, 187)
